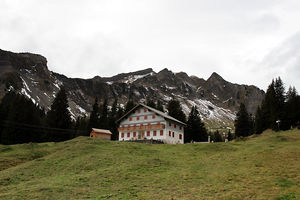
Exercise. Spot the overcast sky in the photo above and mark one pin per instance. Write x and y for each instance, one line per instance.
(245, 41)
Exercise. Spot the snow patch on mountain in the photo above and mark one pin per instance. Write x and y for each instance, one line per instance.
(133, 78)
(83, 111)
(25, 85)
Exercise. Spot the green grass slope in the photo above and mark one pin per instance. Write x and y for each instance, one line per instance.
(262, 167)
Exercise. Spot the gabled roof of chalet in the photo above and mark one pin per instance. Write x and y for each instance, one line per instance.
(97, 130)
(164, 115)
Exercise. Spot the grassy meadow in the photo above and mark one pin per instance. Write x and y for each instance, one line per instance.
(266, 166)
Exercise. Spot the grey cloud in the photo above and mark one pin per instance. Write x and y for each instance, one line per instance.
(89, 38)
(284, 60)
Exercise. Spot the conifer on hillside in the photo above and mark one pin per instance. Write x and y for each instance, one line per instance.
(59, 116)
(175, 110)
(195, 129)
(103, 123)
(18, 118)
(159, 106)
(94, 117)
(258, 122)
(242, 122)
(129, 105)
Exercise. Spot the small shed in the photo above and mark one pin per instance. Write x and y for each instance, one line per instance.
(101, 133)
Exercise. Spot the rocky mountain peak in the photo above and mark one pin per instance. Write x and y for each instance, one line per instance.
(216, 99)
(215, 77)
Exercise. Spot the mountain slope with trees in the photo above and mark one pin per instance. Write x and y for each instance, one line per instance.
(216, 99)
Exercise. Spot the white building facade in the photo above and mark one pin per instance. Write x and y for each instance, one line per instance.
(144, 122)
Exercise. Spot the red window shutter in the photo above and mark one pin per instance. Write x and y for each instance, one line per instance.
(139, 111)
(153, 116)
(130, 119)
(134, 134)
(180, 136)
(161, 132)
(179, 127)
(145, 117)
(148, 133)
(128, 134)
(154, 133)
(174, 125)
(173, 134)
(170, 133)
(122, 135)
(145, 110)
(170, 124)
(137, 118)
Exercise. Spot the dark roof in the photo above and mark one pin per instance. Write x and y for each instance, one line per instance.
(164, 115)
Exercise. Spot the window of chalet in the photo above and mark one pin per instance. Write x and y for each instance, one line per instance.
(170, 124)
(145, 110)
(130, 118)
(174, 125)
(134, 134)
(170, 133)
(180, 127)
(153, 116)
(139, 111)
(128, 134)
(173, 134)
(122, 135)
(158, 123)
(154, 133)
(148, 133)
(145, 117)
(123, 126)
(137, 118)
(180, 136)
(161, 132)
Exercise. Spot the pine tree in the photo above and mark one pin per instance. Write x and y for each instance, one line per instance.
(273, 106)
(292, 107)
(120, 112)
(94, 117)
(113, 126)
(59, 116)
(242, 122)
(217, 137)
(129, 105)
(159, 106)
(230, 136)
(279, 103)
(195, 130)
(268, 109)
(81, 126)
(175, 110)
(104, 115)
(151, 103)
(18, 114)
(258, 122)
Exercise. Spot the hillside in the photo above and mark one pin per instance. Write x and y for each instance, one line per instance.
(217, 99)
(262, 167)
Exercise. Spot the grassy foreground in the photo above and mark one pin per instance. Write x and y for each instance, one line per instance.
(262, 167)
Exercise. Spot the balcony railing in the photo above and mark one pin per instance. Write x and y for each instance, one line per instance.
(143, 127)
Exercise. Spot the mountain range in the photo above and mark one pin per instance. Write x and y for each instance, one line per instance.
(216, 99)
